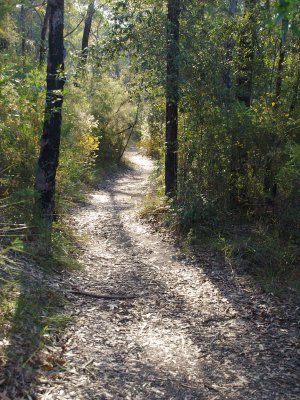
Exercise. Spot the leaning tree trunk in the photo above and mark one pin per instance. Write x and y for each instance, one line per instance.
(85, 42)
(86, 33)
(50, 141)
(172, 97)
(43, 44)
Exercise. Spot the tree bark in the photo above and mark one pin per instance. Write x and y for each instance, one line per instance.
(296, 86)
(50, 141)
(23, 30)
(86, 33)
(172, 97)
(43, 45)
(246, 55)
(280, 67)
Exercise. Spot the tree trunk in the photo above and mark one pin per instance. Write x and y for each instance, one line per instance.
(23, 30)
(246, 55)
(245, 62)
(233, 5)
(295, 95)
(43, 45)
(229, 46)
(270, 185)
(172, 97)
(86, 33)
(279, 77)
(50, 141)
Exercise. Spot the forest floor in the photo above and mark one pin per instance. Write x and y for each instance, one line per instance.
(193, 329)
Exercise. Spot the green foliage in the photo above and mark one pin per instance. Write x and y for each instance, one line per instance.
(238, 164)
(272, 260)
(113, 109)
(288, 10)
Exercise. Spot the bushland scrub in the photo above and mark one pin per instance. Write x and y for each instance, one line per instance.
(210, 91)
(32, 309)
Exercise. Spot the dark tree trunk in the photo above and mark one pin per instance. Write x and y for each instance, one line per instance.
(245, 63)
(172, 97)
(229, 46)
(296, 88)
(3, 44)
(43, 44)
(246, 55)
(50, 141)
(270, 185)
(23, 30)
(86, 33)
(280, 67)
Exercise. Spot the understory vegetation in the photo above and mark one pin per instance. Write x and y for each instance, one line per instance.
(230, 78)
(97, 114)
(238, 142)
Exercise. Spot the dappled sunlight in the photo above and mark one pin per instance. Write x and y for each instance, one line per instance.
(184, 333)
(166, 347)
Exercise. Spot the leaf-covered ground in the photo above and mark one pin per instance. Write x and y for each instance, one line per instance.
(193, 331)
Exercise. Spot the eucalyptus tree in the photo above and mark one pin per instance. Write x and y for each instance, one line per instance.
(172, 96)
(86, 32)
(50, 141)
(43, 44)
(229, 47)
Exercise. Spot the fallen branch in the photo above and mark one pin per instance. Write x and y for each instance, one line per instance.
(101, 296)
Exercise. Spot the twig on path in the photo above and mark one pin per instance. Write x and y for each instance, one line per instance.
(89, 363)
(101, 296)
(207, 386)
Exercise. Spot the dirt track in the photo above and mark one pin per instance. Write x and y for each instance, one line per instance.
(192, 332)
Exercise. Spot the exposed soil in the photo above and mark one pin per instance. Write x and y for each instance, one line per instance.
(192, 330)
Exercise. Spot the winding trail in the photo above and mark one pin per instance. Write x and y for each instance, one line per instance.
(192, 332)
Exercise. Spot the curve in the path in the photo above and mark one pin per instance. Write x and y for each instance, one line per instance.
(191, 333)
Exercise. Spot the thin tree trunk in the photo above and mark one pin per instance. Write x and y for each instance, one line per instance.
(50, 141)
(239, 157)
(270, 185)
(296, 87)
(227, 79)
(246, 55)
(43, 44)
(280, 67)
(229, 46)
(172, 97)
(23, 30)
(86, 32)
(232, 9)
